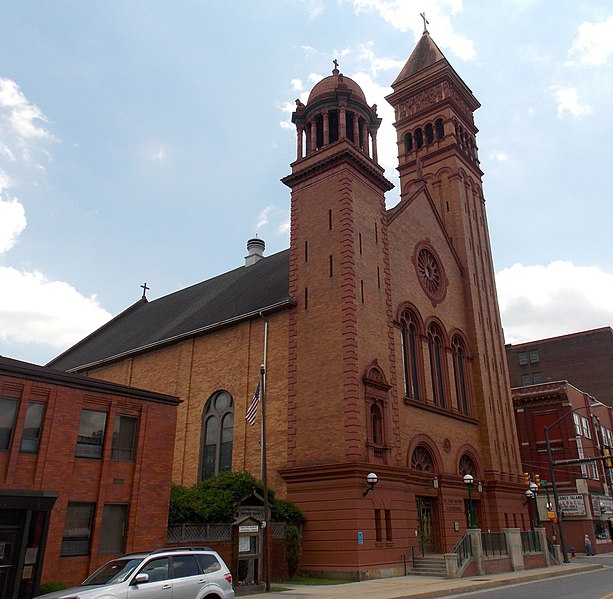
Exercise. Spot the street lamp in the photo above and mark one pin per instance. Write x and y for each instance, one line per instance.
(371, 479)
(468, 481)
(553, 476)
(535, 489)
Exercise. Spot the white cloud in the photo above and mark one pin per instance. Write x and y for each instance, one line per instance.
(277, 218)
(159, 156)
(296, 84)
(499, 156)
(379, 63)
(263, 217)
(40, 311)
(543, 301)
(568, 101)
(594, 43)
(404, 16)
(12, 223)
(24, 119)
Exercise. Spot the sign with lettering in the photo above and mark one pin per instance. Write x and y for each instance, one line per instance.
(572, 505)
(250, 528)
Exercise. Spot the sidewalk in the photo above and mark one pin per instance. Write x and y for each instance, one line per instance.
(422, 587)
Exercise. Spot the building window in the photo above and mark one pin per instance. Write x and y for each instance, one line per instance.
(113, 533)
(421, 460)
(537, 378)
(523, 358)
(410, 356)
(467, 466)
(440, 130)
(91, 434)
(32, 427)
(460, 370)
(435, 348)
(218, 432)
(8, 411)
(376, 422)
(388, 526)
(577, 421)
(124, 438)
(78, 529)
(586, 427)
(581, 454)
(378, 527)
(534, 356)
(525, 379)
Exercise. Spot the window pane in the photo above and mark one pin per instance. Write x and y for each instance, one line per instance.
(523, 358)
(8, 410)
(112, 538)
(208, 563)
(157, 569)
(534, 356)
(91, 434)
(184, 566)
(32, 426)
(124, 438)
(77, 529)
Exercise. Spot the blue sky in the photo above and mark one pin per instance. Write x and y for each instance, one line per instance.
(145, 141)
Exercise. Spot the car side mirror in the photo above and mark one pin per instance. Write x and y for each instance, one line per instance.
(141, 578)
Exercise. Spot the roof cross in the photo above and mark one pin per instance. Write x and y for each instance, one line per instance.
(335, 70)
(145, 289)
(426, 23)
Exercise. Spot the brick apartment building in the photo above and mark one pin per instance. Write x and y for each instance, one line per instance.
(385, 351)
(84, 474)
(580, 428)
(584, 359)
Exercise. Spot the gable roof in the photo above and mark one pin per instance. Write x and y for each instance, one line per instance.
(425, 54)
(237, 295)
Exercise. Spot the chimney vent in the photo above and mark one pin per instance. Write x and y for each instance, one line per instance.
(255, 251)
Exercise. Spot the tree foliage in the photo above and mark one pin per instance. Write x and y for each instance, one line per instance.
(215, 500)
(293, 549)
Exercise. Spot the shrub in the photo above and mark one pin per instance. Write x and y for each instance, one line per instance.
(293, 549)
(215, 499)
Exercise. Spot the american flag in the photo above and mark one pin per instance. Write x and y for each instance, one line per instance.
(252, 412)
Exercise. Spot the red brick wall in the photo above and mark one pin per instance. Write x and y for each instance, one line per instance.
(144, 484)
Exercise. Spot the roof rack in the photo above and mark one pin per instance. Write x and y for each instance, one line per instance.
(164, 549)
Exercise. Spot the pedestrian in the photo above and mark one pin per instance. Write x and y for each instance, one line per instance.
(588, 545)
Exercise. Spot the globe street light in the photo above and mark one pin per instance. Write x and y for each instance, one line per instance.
(468, 481)
(534, 488)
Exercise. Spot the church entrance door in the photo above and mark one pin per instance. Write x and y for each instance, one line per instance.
(426, 533)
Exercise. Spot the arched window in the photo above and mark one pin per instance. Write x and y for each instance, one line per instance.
(421, 459)
(408, 142)
(460, 371)
(437, 362)
(419, 138)
(440, 130)
(429, 133)
(467, 466)
(217, 432)
(410, 356)
(376, 424)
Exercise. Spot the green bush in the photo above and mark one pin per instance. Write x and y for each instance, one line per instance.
(50, 587)
(215, 500)
(293, 549)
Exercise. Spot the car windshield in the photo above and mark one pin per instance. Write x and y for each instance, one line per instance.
(114, 572)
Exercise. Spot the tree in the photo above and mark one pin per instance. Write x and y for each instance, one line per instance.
(293, 549)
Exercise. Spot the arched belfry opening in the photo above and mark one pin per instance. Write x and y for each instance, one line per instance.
(336, 110)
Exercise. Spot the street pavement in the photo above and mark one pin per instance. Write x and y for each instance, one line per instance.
(425, 587)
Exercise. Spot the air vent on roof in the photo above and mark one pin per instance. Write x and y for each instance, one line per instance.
(255, 251)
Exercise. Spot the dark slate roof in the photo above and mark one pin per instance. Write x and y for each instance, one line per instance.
(222, 300)
(44, 374)
(425, 54)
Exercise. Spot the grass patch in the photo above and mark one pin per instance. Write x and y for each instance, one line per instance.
(310, 581)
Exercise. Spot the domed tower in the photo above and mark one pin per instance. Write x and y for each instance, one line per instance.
(338, 272)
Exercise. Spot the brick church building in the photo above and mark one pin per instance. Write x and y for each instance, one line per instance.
(385, 350)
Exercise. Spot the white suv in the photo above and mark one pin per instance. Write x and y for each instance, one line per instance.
(174, 573)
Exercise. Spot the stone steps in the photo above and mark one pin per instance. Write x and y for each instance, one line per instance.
(430, 565)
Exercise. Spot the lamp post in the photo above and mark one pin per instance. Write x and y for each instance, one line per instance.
(535, 489)
(529, 495)
(553, 476)
(468, 481)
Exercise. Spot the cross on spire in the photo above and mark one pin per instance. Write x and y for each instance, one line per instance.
(426, 23)
(145, 289)
(335, 70)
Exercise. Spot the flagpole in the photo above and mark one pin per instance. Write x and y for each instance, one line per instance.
(266, 543)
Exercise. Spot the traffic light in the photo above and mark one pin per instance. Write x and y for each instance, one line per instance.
(527, 478)
(608, 462)
(537, 480)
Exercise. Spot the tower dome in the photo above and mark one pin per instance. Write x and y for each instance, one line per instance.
(336, 110)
